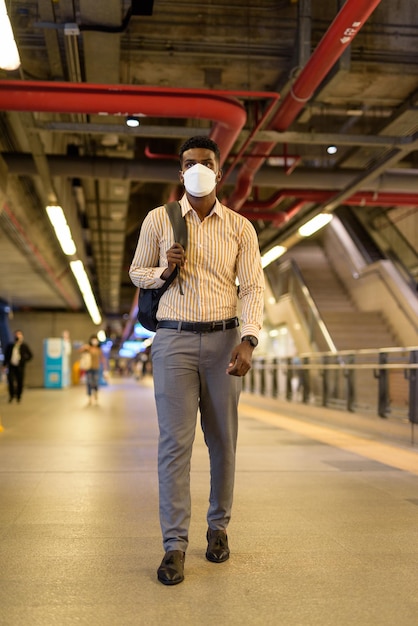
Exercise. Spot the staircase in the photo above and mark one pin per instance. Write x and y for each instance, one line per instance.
(350, 329)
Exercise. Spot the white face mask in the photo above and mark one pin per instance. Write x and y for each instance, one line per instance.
(199, 180)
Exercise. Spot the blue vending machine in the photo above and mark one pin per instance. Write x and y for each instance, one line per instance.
(56, 363)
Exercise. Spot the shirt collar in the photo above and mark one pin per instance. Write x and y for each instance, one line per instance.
(186, 207)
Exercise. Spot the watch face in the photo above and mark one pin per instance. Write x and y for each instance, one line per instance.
(251, 339)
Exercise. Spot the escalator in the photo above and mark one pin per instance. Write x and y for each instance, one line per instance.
(352, 286)
(359, 234)
(377, 238)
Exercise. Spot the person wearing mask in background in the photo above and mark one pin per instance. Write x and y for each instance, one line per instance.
(198, 354)
(16, 355)
(93, 359)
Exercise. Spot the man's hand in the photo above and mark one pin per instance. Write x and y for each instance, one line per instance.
(241, 357)
(175, 257)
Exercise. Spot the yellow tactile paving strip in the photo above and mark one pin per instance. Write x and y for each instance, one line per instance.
(392, 455)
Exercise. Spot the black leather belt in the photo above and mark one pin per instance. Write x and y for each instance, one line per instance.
(200, 327)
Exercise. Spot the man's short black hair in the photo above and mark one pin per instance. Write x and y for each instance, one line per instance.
(200, 142)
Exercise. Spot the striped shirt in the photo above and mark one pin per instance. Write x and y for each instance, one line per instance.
(220, 249)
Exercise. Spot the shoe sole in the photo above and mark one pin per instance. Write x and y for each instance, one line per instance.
(215, 560)
(170, 582)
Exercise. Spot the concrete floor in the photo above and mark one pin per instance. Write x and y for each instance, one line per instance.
(324, 529)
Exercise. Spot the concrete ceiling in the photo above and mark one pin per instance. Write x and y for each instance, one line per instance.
(347, 74)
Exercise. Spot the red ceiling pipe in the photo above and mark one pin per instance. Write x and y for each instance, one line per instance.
(58, 97)
(340, 34)
(159, 155)
(313, 195)
(289, 166)
(366, 198)
(257, 210)
(247, 142)
(381, 199)
(278, 218)
(267, 216)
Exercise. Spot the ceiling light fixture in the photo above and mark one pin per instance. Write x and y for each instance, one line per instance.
(332, 149)
(83, 282)
(132, 121)
(271, 255)
(281, 161)
(9, 54)
(315, 224)
(62, 230)
(101, 336)
(355, 112)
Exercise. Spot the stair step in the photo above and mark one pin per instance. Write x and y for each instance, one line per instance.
(348, 327)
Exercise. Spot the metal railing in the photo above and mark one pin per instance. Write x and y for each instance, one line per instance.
(383, 382)
(286, 279)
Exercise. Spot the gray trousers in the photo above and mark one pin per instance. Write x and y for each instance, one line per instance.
(189, 376)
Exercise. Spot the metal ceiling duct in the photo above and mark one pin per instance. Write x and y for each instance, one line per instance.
(396, 187)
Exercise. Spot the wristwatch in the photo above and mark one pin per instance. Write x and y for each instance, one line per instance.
(251, 339)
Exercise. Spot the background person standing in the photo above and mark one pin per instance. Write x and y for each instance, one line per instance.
(16, 355)
(92, 371)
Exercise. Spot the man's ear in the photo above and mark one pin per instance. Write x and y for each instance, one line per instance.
(181, 177)
(219, 175)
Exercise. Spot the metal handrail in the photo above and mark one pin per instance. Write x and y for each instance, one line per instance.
(367, 270)
(330, 379)
(290, 267)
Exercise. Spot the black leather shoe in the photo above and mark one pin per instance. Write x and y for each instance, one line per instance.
(218, 550)
(171, 570)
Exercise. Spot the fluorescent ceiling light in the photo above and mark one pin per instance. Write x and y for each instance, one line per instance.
(281, 161)
(355, 112)
(9, 55)
(317, 222)
(62, 230)
(272, 255)
(83, 282)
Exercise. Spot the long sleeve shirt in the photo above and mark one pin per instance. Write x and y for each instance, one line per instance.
(221, 250)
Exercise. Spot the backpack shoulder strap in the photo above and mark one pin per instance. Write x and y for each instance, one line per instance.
(178, 222)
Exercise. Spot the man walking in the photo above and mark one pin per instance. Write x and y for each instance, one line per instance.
(198, 353)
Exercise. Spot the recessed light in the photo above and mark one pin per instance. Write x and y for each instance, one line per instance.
(132, 121)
